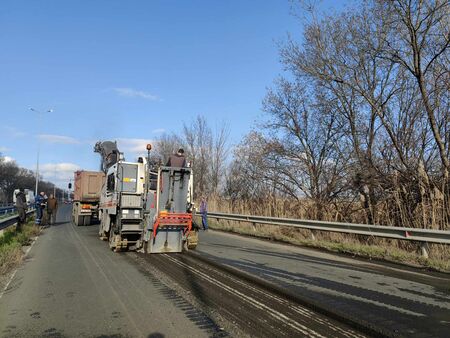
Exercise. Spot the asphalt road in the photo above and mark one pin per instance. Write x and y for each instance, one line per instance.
(402, 301)
(72, 285)
(257, 311)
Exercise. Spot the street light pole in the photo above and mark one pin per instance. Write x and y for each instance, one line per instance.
(37, 168)
(39, 146)
(54, 184)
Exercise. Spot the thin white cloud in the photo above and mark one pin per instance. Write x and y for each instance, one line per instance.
(8, 159)
(158, 131)
(58, 173)
(130, 92)
(3, 149)
(64, 166)
(58, 139)
(133, 146)
(14, 132)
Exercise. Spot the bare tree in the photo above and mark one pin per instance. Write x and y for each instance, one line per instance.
(199, 142)
(419, 42)
(166, 145)
(219, 156)
(14, 177)
(367, 103)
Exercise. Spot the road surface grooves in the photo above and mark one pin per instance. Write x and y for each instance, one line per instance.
(254, 309)
(405, 302)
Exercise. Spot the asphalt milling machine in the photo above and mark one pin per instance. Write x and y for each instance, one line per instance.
(145, 205)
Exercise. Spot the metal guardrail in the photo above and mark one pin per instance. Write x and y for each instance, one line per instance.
(6, 209)
(410, 234)
(12, 220)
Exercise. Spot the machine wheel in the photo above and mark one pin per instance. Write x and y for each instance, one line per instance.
(192, 246)
(192, 240)
(112, 239)
(185, 246)
(104, 235)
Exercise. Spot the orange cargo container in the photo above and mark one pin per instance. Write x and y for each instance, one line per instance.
(87, 190)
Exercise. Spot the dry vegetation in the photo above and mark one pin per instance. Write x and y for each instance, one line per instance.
(11, 246)
(364, 246)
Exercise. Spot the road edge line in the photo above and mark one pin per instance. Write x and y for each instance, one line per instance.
(27, 251)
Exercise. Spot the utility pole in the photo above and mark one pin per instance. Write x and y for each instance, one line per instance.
(39, 114)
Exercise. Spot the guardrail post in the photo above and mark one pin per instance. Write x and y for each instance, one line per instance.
(424, 249)
(254, 226)
(313, 237)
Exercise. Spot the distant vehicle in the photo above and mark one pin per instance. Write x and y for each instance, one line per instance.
(29, 196)
(86, 193)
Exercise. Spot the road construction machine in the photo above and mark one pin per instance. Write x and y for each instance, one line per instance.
(169, 225)
(144, 205)
(121, 200)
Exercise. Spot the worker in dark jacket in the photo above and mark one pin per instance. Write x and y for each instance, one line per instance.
(21, 206)
(52, 208)
(177, 160)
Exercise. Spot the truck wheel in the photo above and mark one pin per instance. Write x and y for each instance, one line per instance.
(86, 220)
(79, 220)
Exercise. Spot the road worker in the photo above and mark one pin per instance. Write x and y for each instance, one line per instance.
(177, 160)
(204, 213)
(52, 209)
(21, 206)
(40, 207)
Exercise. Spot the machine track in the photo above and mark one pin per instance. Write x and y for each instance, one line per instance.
(253, 308)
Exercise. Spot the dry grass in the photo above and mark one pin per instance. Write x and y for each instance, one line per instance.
(11, 246)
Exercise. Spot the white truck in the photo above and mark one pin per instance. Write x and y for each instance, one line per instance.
(29, 196)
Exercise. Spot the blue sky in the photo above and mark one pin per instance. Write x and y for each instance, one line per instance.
(129, 70)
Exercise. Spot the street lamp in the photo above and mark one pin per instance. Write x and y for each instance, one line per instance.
(54, 184)
(39, 113)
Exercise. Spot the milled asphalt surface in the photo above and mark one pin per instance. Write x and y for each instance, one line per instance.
(255, 310)
(72, 285)
(404, 301)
